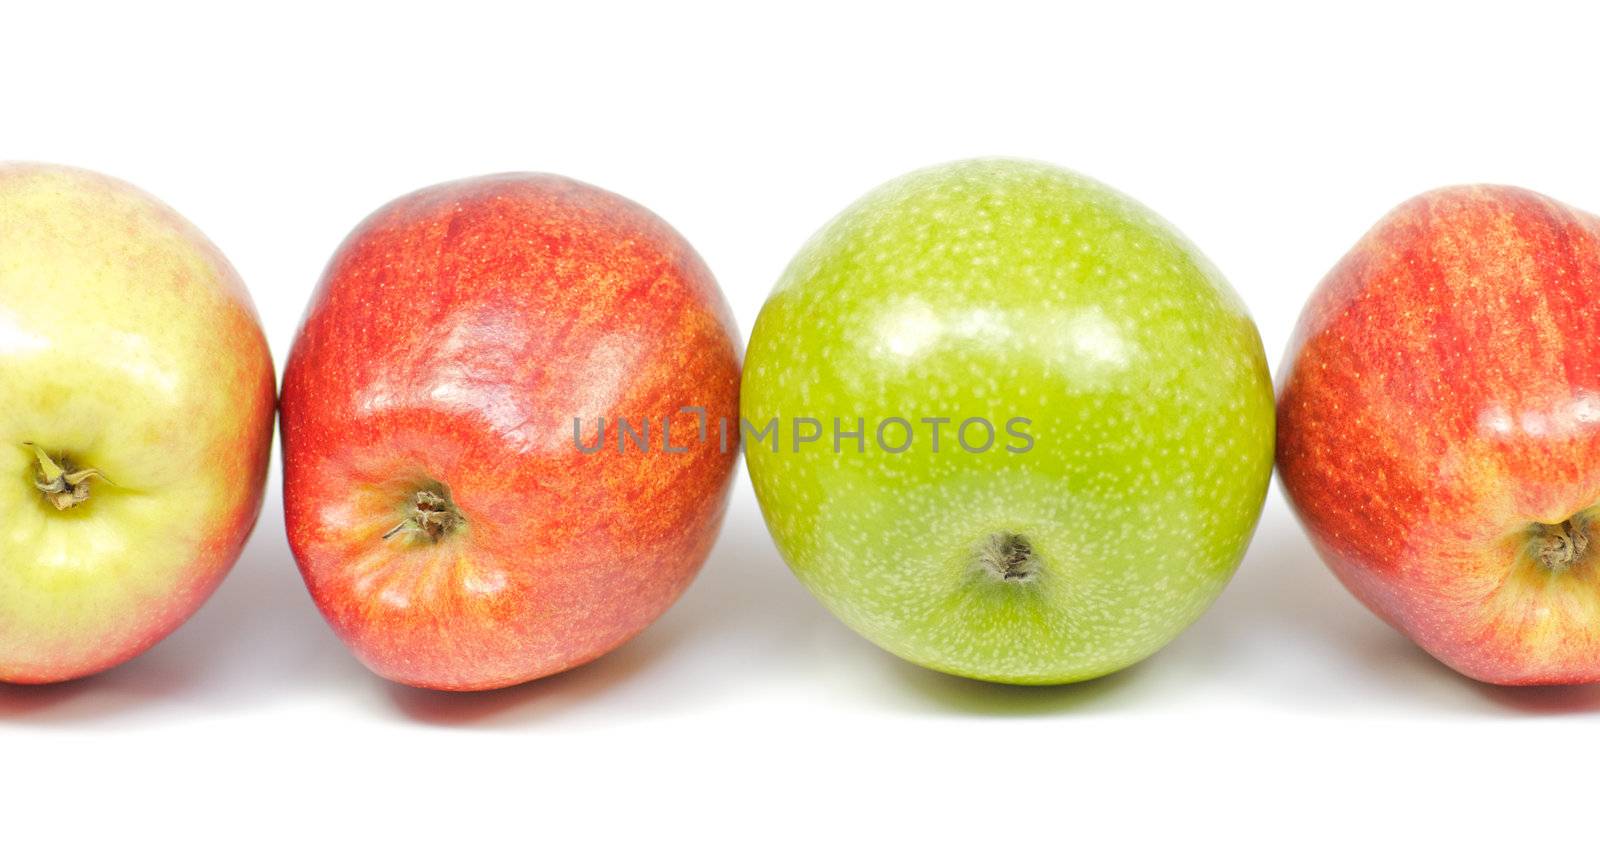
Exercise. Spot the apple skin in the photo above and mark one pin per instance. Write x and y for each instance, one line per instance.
(1440, 400)
(1002, 289)
(452, 341)
(129, 345)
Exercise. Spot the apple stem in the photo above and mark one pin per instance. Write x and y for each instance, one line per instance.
(1008, 557)
(432, 515)
(1561, 545)
(62, 484)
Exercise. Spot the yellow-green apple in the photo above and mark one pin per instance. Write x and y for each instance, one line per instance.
(1439, 430)
(136, 401)
(1020, 429)
(465, 506)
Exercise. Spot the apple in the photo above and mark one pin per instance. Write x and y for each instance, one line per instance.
(1439, 430)
(1006, 423)
(509, 423)
(136, 405)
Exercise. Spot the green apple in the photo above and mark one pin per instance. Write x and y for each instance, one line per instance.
(1007, 423)
(136, 405)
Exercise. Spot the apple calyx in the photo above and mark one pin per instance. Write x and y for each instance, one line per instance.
(63, 484)
(432, 515)
(1559, 546)
(1008, 557)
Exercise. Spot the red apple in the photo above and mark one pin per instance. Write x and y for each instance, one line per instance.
(439, 501)
(1439, 430)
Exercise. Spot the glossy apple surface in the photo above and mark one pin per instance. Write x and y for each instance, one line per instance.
(1439, 430)
(1001, 289)
(442, 512)
(136, 400)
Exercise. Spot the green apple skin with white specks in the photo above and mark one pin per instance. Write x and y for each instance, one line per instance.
(1125, 383)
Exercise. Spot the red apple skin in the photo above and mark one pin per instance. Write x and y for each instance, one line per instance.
(1441, 399)
(454, 337)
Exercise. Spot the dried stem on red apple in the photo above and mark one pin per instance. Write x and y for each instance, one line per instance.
(432, 515)
(1562, 544)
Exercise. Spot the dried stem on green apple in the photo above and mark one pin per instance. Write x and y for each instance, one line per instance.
(1008, 557)
(63, 484)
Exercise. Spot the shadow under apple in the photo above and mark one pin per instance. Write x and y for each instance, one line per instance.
(20, 701)
(955, 694)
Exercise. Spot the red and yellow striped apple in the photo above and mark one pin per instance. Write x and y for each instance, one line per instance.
(445, 513)
(1439, 430)
(136, 401)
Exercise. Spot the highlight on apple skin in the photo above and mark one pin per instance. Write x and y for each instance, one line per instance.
(1129, 415)
(136, 406)
(1439, 430)
(453, 524)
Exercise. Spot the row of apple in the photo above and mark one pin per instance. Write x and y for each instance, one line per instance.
(1000, 419)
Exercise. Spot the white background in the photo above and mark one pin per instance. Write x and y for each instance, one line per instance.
(747, 720)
